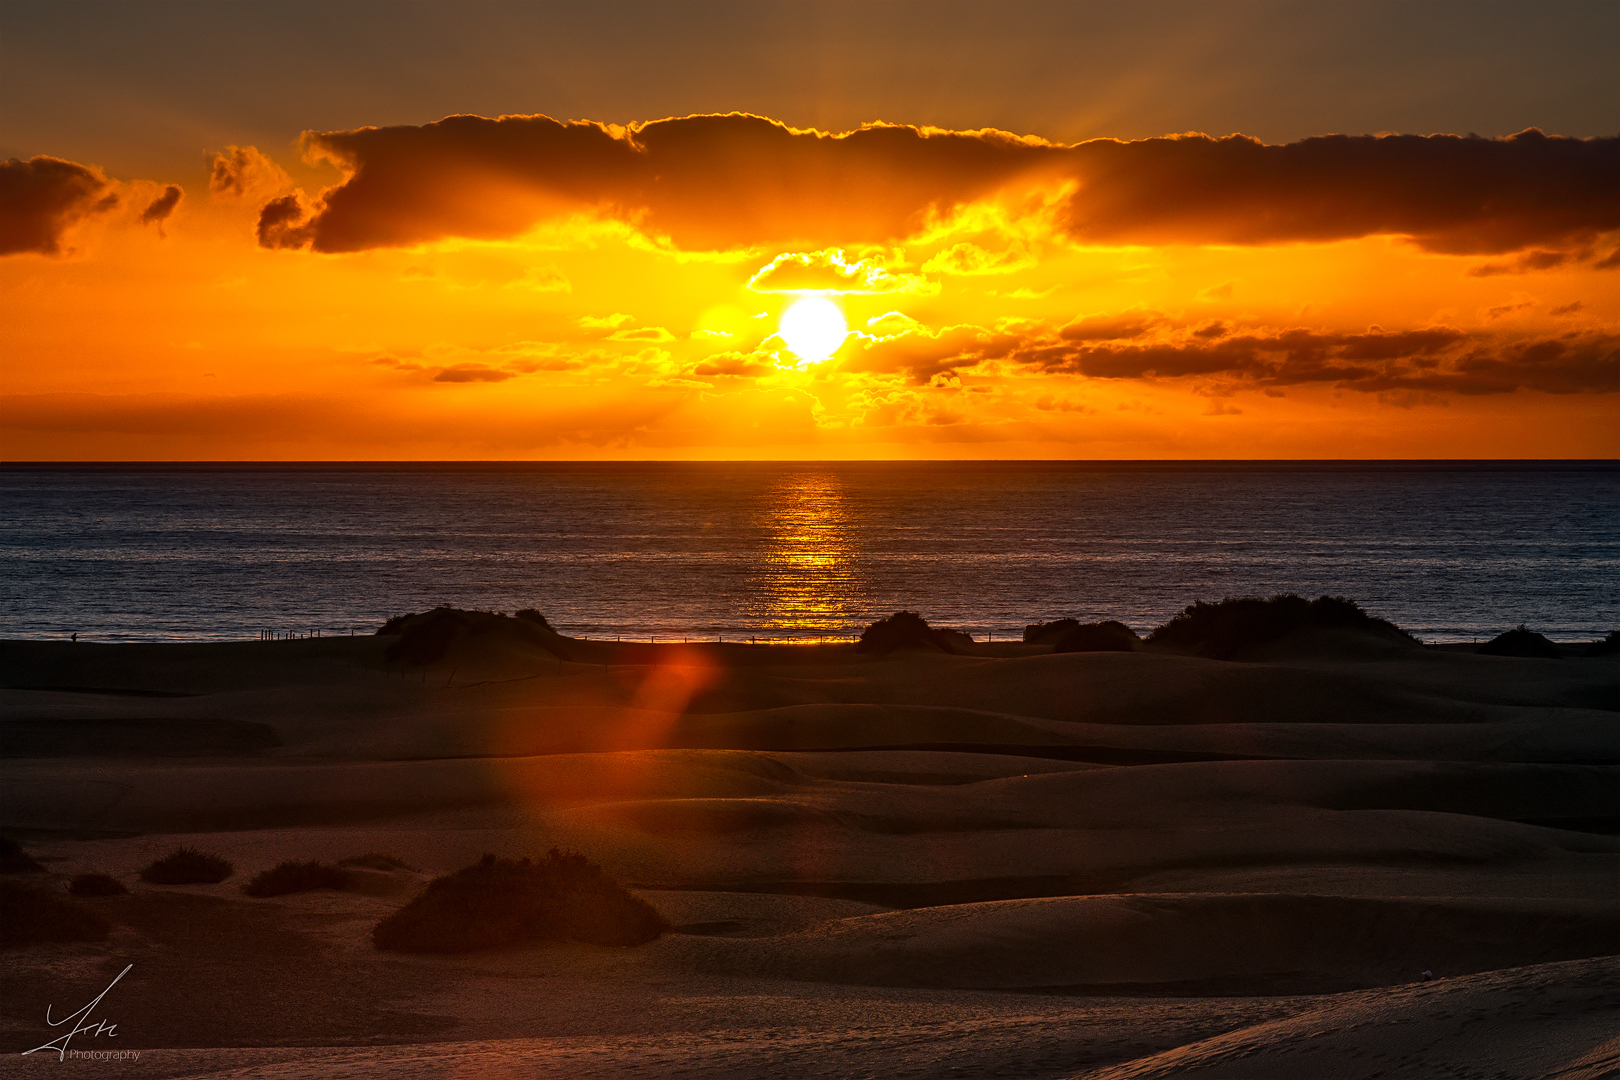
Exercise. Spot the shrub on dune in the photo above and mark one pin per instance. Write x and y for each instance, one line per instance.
(909, 630)
(29, 915)
(188, 866)
(1521, 641)
(96, 885)
(1605, 646)
(1110, 636)
(1222, 629)
(497, 902)
(296, 877)
(528, 614)
(430, 636)
(1047, 633)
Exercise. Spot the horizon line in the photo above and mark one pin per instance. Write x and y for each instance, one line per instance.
(1604, 462)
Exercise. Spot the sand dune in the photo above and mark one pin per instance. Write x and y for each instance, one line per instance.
(1555, 1020)
(1187, 943)
(921, 831)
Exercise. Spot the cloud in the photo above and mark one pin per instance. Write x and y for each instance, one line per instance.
(971, 259)
(603, 322)
(891, 323)
(43, 197)
(470, 373)
(1129, 324)
(831, 271)
(1448, 194)
(1148, 346)
(158, 211)
(282, 426)
(1567, 309)
(281, 223)
(1438, 359)
(642, 333)
(271, 417)
(736, 180)
(920, 354)
(1524, 264)
(243, 171)
(548, 278)
(735, 365)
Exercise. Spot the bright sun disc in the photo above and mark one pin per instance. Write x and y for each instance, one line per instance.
(813, 328)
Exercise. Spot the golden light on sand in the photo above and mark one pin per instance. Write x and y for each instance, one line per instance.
(813, 328)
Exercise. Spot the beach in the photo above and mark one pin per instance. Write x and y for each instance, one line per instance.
(1337, 852)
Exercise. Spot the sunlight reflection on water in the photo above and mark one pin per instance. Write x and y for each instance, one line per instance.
(809, 578)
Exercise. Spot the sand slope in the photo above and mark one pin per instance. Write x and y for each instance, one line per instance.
(1551, 1021)
(925, 861)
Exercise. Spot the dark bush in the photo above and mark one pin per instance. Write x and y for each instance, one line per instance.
(395, 625)
(528, 614)
(908, 630)
(29, 914)
(1605, 646)
(294, 877)
(1047, 633)
(426, 638)
(1221, 629)
(374, 861)
(188, 866)
(496, 902)
(1107, 636)
(429, 637)
(1521, 641)
(13, 859)
(96, 885)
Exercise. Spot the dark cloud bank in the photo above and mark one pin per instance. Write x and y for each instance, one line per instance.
(737, 180)
(43, 197)
(1144, 346)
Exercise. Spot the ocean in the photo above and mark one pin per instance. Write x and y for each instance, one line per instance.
(664, 551)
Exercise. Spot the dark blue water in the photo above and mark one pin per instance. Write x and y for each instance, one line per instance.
(119, 553)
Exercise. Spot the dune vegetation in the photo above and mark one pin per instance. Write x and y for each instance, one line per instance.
(908, 630)
(1521, 641)
(496, 902)
(1222, 629)
(295, 877)
(187, 866)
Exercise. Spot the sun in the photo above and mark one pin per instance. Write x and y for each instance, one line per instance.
(813, 328)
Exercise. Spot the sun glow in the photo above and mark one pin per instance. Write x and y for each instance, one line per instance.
(813, 328)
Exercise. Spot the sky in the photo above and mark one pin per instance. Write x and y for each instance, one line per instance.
(482, 230)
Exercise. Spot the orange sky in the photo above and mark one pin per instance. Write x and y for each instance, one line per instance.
(520, 288)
